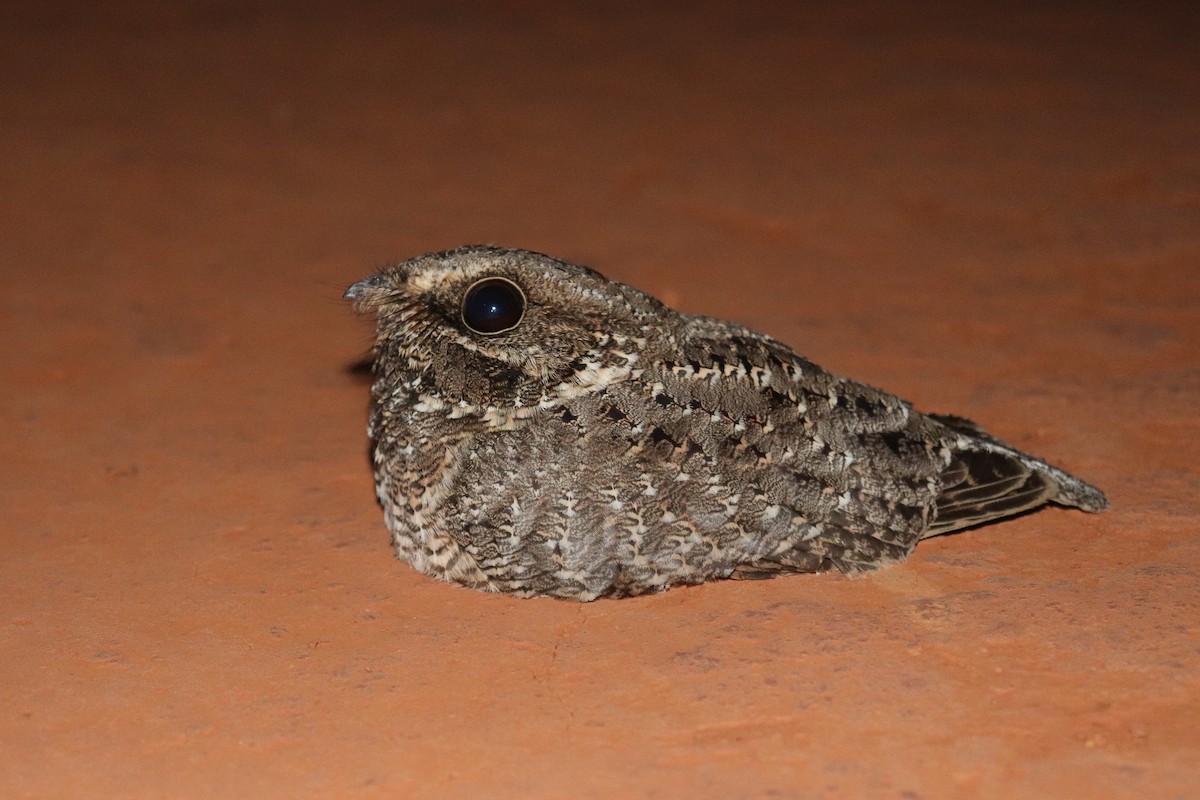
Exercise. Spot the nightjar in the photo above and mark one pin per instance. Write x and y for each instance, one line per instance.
(538, 429)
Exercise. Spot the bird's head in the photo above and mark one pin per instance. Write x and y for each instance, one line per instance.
(501, 328)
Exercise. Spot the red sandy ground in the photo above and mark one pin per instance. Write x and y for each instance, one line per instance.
(997, 215)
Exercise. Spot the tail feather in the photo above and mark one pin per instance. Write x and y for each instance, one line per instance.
(969, 495)
(987, 480)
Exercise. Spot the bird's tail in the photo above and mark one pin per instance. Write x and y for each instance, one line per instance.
(987, 480)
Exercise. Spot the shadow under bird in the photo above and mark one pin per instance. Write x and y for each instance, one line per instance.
(538, 429)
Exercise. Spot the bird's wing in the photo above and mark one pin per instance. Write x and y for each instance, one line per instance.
(852, 461)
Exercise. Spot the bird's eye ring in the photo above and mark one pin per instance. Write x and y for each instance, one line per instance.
(493, 305)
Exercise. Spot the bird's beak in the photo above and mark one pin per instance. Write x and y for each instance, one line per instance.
(360, 291)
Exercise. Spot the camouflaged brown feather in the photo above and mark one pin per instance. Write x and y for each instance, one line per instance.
(538, 429)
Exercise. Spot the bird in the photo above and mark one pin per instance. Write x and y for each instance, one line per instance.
(540, 430)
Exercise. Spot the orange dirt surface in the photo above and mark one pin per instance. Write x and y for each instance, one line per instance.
(995, 214)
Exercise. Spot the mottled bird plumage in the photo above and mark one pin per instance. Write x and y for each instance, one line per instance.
(607, 445)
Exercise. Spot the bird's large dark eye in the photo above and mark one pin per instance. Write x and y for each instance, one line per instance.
(493, 305)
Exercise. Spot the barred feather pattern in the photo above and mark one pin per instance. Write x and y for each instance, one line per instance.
(607, 445)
